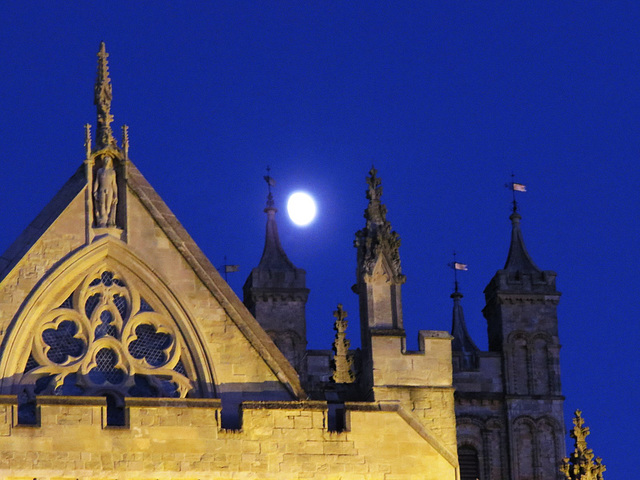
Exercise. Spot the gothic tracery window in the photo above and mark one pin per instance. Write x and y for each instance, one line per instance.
(106, 338)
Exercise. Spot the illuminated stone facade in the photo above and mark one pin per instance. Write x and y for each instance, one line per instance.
(125, 355)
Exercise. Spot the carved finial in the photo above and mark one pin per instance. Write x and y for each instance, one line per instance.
(376, 212)
(377, 237)
(580, 465)
(87, 141)
(102, 100)
(125, 141)
(342, 360)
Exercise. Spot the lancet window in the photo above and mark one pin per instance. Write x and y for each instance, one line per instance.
(108, 338)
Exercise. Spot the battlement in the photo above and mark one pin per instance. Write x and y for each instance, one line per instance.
(164, 438)
(429, 366)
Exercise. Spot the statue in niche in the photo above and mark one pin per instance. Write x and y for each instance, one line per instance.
(105, 194)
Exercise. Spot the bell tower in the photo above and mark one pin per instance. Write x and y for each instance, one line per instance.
(276, 294)
(521, 313)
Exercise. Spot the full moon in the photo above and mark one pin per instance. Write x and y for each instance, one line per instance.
(301, 208)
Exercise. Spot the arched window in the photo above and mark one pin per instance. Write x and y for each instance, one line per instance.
(108, 338)
(540, 367)
(469, 463)
(519, 367)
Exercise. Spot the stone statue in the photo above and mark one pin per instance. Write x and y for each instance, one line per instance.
(105, 194)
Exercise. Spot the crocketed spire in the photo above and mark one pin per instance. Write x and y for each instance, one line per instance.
(102, 100)
(518, 259)
(342, 359)
(580, 465)
(377, 238)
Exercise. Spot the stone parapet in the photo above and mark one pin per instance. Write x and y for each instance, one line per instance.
(183, 439)
(430, 366)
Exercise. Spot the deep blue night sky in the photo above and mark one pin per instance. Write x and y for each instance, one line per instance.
(446, 99)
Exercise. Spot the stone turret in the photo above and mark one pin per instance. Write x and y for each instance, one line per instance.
(275, 293)
(379, 274)
(521, 312)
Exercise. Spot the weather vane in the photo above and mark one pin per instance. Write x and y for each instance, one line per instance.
(228, 268)
(455, 266)
(270, 183)
(515, 187)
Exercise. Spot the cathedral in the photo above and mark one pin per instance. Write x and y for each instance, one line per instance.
(125, 354)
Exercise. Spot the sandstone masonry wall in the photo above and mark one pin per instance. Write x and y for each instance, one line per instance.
(182, 439)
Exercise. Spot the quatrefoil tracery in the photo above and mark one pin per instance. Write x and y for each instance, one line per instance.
(105, 335)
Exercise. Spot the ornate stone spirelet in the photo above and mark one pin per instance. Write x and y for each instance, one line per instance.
(102, 99)
(377, 238)
(342, 360)
(580, 465)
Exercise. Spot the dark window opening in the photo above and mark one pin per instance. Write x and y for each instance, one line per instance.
(27, 409)
(115, 411)
(336, 418)
(469, 463)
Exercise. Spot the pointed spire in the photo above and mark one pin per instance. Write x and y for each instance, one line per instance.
(273, 255)
(518, 259)
(342, 360)
(462, 341)
(580, 465)
(377, 237)
(102, 101)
